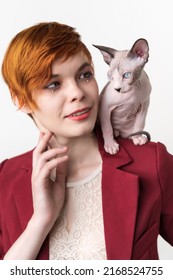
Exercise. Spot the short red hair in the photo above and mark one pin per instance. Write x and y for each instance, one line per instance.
(28, 59)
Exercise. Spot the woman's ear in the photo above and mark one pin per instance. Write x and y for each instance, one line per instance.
(26, 109)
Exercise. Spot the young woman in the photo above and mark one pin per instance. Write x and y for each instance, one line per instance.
(68, 198)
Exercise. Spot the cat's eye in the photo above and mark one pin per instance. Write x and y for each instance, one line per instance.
(127, 75)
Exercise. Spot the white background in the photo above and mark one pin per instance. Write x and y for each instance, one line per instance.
(113, 23)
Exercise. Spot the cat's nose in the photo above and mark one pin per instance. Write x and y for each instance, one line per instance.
(118, 89)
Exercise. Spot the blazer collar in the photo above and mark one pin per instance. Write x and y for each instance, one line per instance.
(120, 191)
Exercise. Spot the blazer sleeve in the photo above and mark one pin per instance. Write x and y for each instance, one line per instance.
(165, 174)
(1, 235)
(1, 242)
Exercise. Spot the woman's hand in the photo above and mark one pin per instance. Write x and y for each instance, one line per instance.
(48, 195)
(48, 198)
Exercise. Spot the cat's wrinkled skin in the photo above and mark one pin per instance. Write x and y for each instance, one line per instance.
(124, 101)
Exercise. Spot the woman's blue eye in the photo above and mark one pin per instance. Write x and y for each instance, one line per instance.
(86, 75)
(127, 75)
(53, 86)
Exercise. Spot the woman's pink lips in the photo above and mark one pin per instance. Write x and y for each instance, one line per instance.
(82, 116)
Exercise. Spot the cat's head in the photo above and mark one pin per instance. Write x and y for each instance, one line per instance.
(125, 66)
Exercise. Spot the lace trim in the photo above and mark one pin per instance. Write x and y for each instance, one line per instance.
(85, 180)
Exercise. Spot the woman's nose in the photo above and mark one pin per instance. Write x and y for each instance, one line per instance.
(76, 93)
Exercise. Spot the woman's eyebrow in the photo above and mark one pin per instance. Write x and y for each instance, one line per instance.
(54, 76)
(85, 64)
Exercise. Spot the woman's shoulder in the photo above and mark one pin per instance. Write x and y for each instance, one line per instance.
(150, 155)
(147, 149)
(155, 152)
(12, 164)
(150, 146)
(15, 175)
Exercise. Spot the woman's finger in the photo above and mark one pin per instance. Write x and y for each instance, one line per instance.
(50, 165)
(48, 156)
(43, 141)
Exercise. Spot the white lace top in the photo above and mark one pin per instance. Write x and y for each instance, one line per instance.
(78, 233)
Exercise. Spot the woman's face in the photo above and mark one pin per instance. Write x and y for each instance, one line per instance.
(68, 103)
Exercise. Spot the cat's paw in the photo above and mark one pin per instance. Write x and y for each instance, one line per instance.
(111, 147)
(139, 139)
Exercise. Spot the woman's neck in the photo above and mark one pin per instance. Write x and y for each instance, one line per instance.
(84, 156)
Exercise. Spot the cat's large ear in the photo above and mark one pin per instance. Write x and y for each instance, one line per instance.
(108, 53)
(140, 49)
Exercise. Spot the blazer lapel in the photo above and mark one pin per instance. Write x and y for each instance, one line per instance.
(120, 196)
(120, 201)
(23, 194)
(23, 201)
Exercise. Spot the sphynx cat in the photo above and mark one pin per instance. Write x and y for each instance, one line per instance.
(124, 101)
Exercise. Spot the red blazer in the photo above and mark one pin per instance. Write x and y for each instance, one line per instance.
(137, 191)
